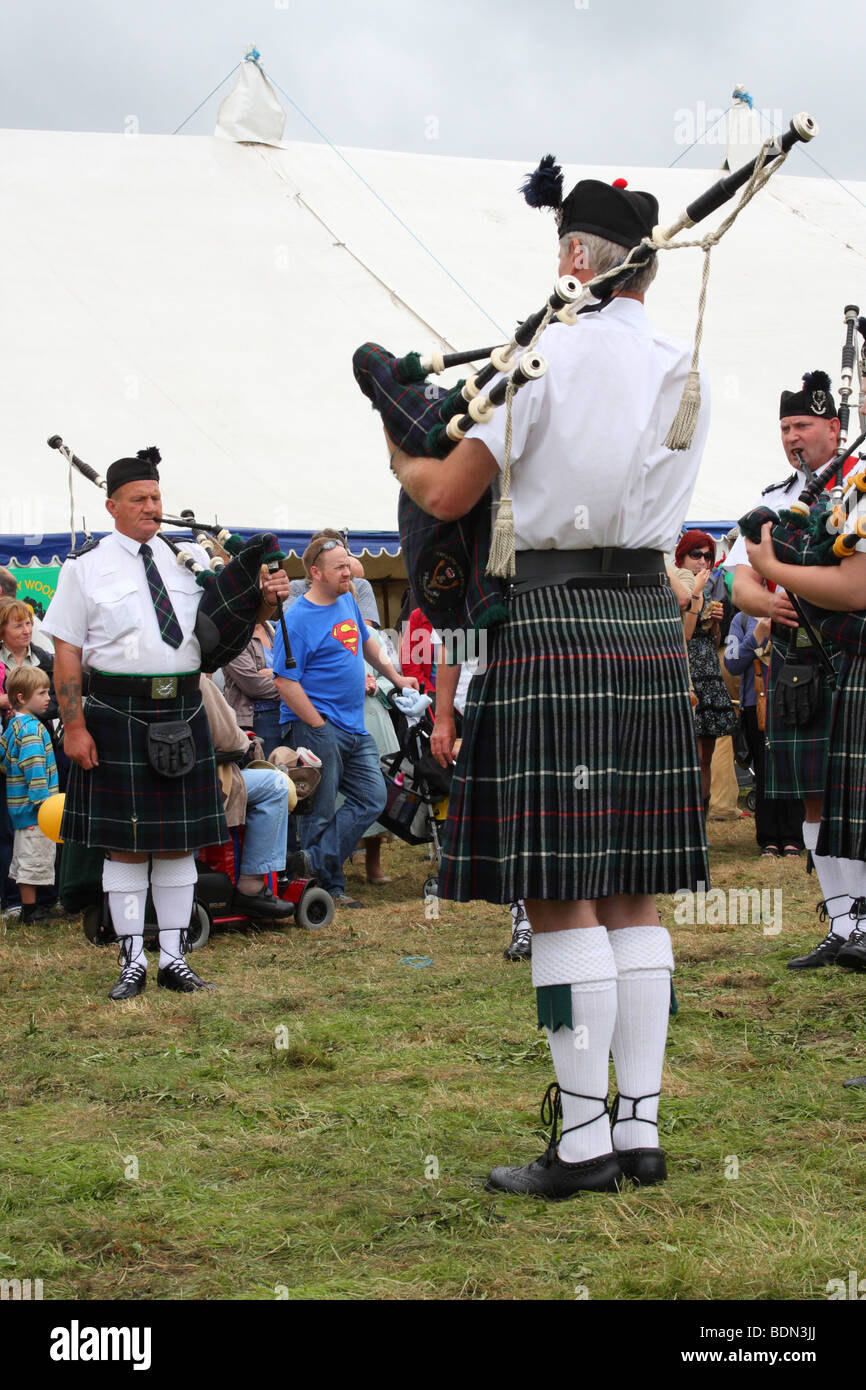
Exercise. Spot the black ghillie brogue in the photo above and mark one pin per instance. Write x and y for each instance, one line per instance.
(548, 1176)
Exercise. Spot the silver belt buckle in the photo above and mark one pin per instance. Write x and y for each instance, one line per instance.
(163, 688)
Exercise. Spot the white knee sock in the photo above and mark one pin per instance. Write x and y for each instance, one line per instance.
(172, 884)
(126, 886)
(582, 958)
(644, 962)
(838, 879)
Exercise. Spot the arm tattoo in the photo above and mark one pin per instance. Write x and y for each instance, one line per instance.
(69, 699)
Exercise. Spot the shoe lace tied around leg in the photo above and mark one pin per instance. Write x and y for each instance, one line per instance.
(551, 1114)
(124, 959)
(858, 911)
(824, 909)
(617, 1119)
(178, 963)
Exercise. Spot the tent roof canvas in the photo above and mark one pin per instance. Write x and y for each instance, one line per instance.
(207, 296)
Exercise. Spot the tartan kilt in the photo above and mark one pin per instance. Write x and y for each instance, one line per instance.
(796, 762)
(843, 812)
(122, 803)
(578, 772)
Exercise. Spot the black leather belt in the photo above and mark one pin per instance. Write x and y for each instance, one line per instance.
(146, 687)
(608, 567)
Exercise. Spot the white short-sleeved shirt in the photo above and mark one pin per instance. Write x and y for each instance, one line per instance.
(104, 606)
(590, 467)
(776, 498)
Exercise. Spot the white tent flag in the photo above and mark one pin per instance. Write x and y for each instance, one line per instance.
(251, 112)
(745, 130)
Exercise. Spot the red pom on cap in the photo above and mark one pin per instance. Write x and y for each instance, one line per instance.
(620, 183)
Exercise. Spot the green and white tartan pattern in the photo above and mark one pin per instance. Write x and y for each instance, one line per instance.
(843, 812)
(796, 762)
(578, 773)
(122, 803)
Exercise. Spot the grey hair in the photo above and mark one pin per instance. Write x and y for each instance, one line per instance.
(600, 255)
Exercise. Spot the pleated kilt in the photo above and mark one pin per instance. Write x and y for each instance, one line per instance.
(843, 812)
(796, 763)
(123, 804)
(578, 773)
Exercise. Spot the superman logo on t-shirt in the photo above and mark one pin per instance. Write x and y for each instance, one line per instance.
(347, 634)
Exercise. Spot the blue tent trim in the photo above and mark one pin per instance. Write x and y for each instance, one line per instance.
(23, 549)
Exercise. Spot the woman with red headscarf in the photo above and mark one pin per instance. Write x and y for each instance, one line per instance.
(714, 713)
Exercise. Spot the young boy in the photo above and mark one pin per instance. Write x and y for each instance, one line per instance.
(27, 758)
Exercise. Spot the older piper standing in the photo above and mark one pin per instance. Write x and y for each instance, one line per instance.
(588, 679)
(125, 614)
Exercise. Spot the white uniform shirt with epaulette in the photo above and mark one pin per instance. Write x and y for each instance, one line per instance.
(778, 496)
(103, 605)
(591, 467)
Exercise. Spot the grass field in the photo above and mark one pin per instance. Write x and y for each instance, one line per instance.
(322, 1124)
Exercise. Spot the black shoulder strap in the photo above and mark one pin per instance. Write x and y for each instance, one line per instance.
(785, 483)
(90, 544)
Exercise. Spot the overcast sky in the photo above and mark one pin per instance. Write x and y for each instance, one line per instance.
(595, 81)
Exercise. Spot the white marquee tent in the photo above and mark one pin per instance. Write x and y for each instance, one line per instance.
(207, 296)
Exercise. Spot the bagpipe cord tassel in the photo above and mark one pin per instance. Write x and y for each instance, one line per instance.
(682, 430)
(500, 561)
(685, 422)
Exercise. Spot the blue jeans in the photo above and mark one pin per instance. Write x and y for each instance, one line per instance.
(266, 726)
(266, 823)
(350, 764)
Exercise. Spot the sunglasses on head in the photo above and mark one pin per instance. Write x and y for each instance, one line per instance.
(701, 555)
(328, 545)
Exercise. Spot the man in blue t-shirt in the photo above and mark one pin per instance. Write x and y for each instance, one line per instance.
(323, 695)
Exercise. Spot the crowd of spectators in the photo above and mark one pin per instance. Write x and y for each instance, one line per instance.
(326, 709)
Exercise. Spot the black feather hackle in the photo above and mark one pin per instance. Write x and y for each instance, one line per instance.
(816, 381)
(543, 187)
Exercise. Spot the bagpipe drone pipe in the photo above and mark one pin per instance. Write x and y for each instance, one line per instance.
(825, 527)
(232, 601)
(447, 561)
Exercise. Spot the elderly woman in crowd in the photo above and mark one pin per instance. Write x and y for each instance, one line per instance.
(714, 713)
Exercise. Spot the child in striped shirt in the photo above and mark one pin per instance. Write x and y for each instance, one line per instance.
(27, 758)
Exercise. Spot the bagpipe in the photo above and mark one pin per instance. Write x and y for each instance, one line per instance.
(232, 601)
(448, 563)
(824, 527)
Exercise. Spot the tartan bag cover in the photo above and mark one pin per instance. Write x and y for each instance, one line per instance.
(801, 540)
(231, 600)
(445, 560)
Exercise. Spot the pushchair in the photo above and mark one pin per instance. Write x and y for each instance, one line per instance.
(417, 789)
